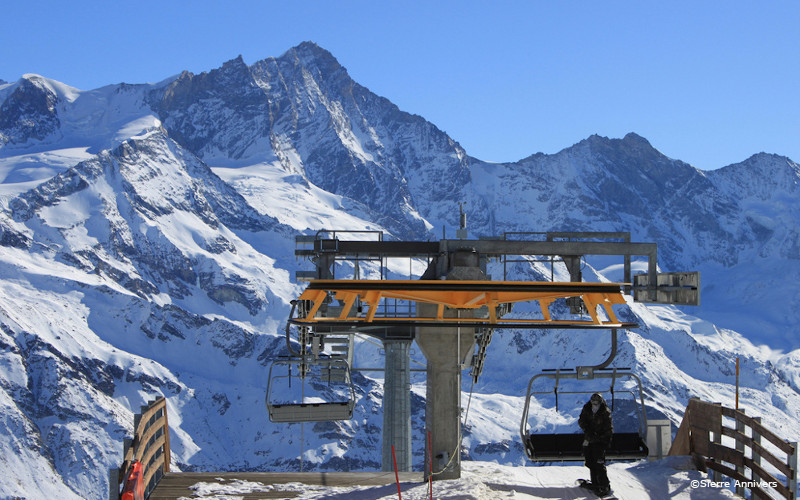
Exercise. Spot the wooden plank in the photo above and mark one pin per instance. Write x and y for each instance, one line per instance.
(144, 438)
(783, 467)
(153, 408)
(700, 440)
(702, 418)
(167, 451)
(782, 444)
(733, 474)
(738, 436)
(707, 416)
(176, 493)
(766, 476)
(153, 469)
(726, 454)
(146, 454)
(774, 439)
(177, 485)
(144, 430)
(681, 445)
(759, 450)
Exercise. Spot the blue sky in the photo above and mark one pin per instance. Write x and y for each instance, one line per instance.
(706, 82)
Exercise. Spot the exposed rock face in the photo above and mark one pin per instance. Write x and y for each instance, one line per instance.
(28, 113)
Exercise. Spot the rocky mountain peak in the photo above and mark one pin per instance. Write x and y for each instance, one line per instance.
(233, 72)
(767, 164)
(633, 161)
(311, 53)
(230, 79)
(635, 139)
(763, 176)
(29, 112)
(632, 144)
(310, 59)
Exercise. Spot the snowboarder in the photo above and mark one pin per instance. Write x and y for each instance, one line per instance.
(595, 421)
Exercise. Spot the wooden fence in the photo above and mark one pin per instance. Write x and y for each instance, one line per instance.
(701, 435)
(149, 447)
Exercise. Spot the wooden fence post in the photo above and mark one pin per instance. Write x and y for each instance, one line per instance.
(756, 457)
(793, 461)
(741, 428)
(716, 438)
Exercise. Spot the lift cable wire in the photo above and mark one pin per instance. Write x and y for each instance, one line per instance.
(302, 425)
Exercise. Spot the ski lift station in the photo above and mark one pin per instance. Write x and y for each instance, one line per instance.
(451, 310)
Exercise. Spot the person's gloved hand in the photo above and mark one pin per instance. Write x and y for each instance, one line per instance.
(586, 442)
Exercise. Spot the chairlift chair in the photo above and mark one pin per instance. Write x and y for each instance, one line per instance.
(333, 371)
(558, 447)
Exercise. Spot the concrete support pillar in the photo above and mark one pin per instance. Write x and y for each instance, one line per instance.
(397, 405)
(445, 349)
(441, 347)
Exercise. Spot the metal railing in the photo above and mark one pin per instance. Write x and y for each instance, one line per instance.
(703, 433)
(149, 447)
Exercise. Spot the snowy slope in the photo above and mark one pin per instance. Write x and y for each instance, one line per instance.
(146, 248)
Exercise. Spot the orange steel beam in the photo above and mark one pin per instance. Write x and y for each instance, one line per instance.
(459, 295)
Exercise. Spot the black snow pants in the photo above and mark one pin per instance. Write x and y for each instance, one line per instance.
(595, 459)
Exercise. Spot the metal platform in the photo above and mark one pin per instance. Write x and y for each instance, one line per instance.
(262, 485)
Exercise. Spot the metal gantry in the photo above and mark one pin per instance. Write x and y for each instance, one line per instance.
(453, 306)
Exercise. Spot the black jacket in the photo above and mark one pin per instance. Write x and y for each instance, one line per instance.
(597, 427)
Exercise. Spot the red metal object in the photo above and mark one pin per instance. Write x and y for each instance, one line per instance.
(430, 462)
(396, 476)
(134, 484)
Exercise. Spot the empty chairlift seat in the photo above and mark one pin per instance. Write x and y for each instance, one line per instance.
(310, 412)
(322, 378)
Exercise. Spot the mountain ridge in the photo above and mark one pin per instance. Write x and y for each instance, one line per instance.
(153, 225)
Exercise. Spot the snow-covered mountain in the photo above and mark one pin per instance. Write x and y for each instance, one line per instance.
(146, 248)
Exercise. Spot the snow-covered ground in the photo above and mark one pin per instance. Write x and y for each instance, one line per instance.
(671, 478)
